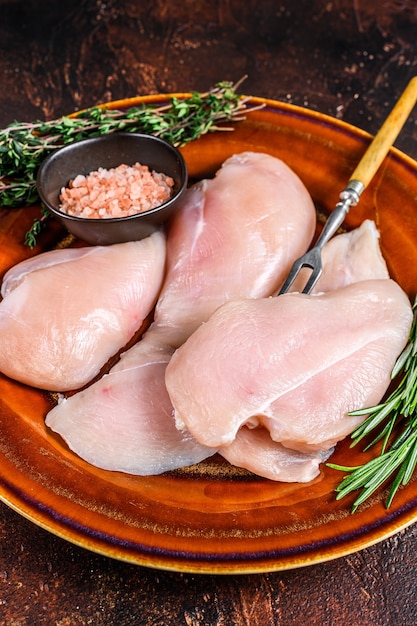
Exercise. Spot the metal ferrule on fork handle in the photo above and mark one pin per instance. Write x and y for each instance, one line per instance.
(348, 197)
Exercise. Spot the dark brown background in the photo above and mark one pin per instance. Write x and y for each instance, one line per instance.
(348, 58)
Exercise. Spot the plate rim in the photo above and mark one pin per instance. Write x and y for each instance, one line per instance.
(395, 522)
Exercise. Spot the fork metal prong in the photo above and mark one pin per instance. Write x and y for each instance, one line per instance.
(316, 265)
(313, 278)
(311, 260)
(292, 275)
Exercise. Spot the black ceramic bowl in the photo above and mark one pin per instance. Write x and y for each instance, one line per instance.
(109, 151)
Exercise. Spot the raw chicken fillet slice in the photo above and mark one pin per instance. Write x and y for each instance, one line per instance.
(235, 236)
(254, 450)
(66, 312)
(295, 365)
(123, 422)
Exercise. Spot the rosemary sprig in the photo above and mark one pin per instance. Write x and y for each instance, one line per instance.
(397, 458)
(23, 146)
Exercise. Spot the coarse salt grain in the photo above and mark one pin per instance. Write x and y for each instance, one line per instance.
(116, 192)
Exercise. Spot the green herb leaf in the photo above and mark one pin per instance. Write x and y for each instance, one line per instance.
(37, 226)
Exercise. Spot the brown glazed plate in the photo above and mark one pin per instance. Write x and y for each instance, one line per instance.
(213, 518)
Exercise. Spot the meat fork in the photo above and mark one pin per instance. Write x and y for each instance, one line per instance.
(361, 177)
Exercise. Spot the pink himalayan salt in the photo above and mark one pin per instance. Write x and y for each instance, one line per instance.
(117, 192)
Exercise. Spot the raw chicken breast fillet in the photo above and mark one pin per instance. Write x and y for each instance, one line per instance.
(254, 450)
(235, 236)
(123, 422)
(294, 364)
(66, 312)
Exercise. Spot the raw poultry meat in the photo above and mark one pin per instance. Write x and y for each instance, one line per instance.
(236, 236)
(254, 450)
(66, 312)
(294, 365)
(123, 422)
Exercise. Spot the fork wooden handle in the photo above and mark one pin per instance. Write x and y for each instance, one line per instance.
(387, 134)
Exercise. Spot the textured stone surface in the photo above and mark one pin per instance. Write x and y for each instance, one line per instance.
(348, 58)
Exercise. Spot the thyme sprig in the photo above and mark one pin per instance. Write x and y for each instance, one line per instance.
(397, 458)
(23, 146)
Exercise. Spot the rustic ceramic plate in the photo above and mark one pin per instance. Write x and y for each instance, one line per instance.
(213, 518)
